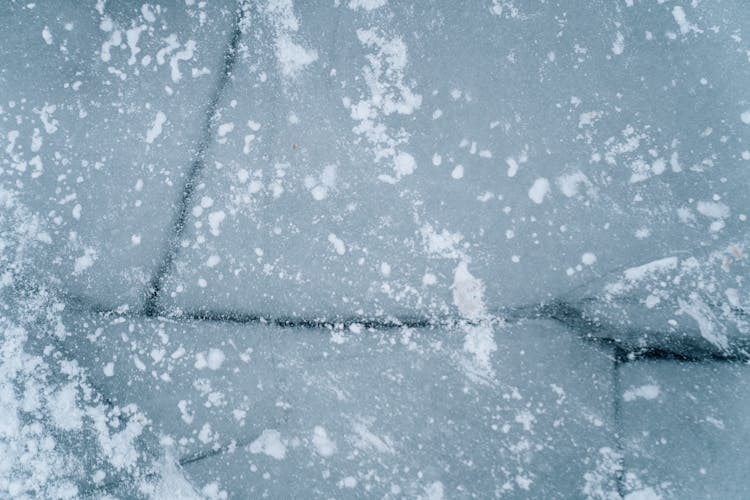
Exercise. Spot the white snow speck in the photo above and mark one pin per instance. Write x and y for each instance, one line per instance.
(588, 258)
(539, 190)
(569, 183)
(618, 46)
(681, 19)
(435, 491)
(47, 36)
(366, 4)
(338, 244)
(713, 210)
(648, 391)
(512, 167)
(404, 164)
(458, 172)
(85, 261)
(269, 443)
(323, 444)
(588, 118)
(745, 117)
(468, 292)
(293, 57)
(214, 221)
(63, 408)
(211, 360)
(156, 128)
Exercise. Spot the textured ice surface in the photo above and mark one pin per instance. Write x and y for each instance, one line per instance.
(372, 248)
(205, 386)
(391, 414)
(545, 146)
(101, 109)
(685, 427)
(298, 402)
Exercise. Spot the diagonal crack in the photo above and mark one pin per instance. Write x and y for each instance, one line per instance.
(156, 283)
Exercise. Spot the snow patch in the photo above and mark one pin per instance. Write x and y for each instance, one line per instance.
(269, 443)
(539, 190)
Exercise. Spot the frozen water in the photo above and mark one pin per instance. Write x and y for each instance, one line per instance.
(101, 112)
(204, 386)
(685, 427)
(374, 248)
(392, 414)
(411, 144)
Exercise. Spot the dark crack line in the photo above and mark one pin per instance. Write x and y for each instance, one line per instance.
(620, 358)
(151, 305)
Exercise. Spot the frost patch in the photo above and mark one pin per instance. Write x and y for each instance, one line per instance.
(319, 187)
(468, 293)
(366, 4)
(323, 444)
(65, 412)
(539, 190)
(618, 46)
(649, 391)
(569, 184)
(338, 244)
(291, 56)
(156, 128)
(269, 443)
(388, 94)
(681, 19)
(85, 261)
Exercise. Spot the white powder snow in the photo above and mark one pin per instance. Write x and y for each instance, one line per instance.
(434, 491)
(293, 57)
(269, 443)
(63, 408)
(85, 261)
(569, 183)
(458, 172)
(443, 244)
(212, 360)
(468, 292)
(320, 186)
(745, 117)
(366, 4)
(681, 19)
(539, 190)
(404, 164)
(338, 244)
(709, 325)
(512, 167)
(660, 265)
(648, 391)
(588, 118)
(47, 36)
(323, 444)
(366, 439)
(214, 221)
(588, 258)
(618, 46)
(156, 128)
(480, 343)
(183, 55)
(713, 210)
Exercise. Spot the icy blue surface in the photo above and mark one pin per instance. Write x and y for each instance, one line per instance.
(374, 249)
(101, 112)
